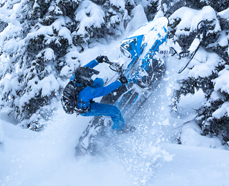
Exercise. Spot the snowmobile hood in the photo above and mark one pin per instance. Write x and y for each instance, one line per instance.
(133, 46)
(98, 82)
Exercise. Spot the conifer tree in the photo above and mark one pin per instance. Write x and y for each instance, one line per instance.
(209, 74)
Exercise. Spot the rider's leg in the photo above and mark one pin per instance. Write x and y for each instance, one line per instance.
(98, 109)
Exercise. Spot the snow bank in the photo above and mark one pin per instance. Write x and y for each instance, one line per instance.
(191, 132)
(191, 136)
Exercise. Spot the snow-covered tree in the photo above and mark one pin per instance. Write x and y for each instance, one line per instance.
(31, 51)
(209, 68)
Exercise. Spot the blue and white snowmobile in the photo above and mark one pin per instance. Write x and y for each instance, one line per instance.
(143, 70)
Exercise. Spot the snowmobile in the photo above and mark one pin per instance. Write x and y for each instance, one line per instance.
(143, 71)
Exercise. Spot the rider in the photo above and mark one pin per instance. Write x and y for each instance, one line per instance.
(97, 89)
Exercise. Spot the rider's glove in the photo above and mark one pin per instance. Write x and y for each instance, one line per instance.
(123, 79)
(102, 59)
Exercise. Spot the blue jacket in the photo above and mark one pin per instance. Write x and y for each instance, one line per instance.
(96, 90)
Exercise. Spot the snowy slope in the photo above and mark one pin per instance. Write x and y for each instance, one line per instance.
(146, 157)
(46, 159)
(193, 166)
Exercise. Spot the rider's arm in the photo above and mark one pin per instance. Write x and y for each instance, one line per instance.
(102, 91)
(92, 63)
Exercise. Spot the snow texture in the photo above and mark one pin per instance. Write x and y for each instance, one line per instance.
(207, 70)
(190, 19)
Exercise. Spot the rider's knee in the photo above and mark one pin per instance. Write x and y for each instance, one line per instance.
(116, 110)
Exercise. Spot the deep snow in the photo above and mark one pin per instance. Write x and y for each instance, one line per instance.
(47, 159)
(149, 156)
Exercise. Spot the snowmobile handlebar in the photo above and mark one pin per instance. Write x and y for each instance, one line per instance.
(115, 66)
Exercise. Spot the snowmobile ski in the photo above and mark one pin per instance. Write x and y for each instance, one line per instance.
(201, 33)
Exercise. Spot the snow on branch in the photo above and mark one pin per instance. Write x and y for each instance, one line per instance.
(224, 14)
(222, 83)
(48, 54)
(88, 15)
(222, 111)
(189, 18)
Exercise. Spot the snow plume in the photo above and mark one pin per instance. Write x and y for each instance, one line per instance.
(126, 160)
(144, 158)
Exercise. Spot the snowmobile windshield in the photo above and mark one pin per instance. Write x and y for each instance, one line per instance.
(132, 47)
(128, 47)
(125, 52)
